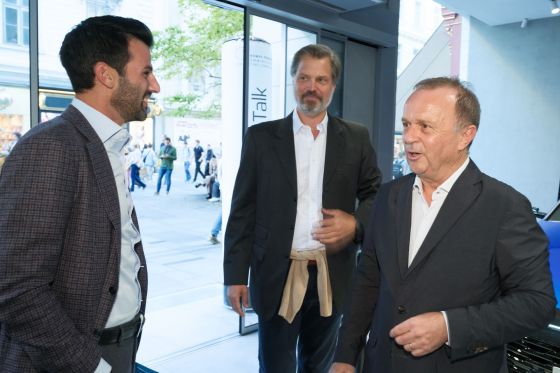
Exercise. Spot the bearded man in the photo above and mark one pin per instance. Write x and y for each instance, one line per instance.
(303, 193)
(74, 282)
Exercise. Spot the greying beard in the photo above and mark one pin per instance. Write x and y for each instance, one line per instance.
(313, 111)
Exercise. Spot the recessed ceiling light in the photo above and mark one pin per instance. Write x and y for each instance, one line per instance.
(554, 5)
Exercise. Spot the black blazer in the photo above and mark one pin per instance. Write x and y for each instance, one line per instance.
(484, 262)
(260, 228)
(60, 240)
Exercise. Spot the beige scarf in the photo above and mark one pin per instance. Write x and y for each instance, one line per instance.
(296, 284)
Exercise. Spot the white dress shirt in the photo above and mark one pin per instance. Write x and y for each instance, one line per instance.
(114, 138)
(310, 166)
(424, 215)
(129, 296)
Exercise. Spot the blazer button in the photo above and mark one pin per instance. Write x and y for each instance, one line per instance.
(113, 290)
(480, 349)
(401, 309)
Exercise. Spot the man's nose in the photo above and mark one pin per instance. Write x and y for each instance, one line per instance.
(310, 85)
(409, 134)
(154, 85)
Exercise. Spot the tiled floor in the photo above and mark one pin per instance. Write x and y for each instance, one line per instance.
(188, 329)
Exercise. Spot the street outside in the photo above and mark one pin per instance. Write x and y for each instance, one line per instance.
(188, 328)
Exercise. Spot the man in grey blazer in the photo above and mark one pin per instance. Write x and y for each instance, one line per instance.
(454, 264)
(73, 280)
(303, 192)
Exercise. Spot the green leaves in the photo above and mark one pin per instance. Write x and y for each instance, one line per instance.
(192, 51)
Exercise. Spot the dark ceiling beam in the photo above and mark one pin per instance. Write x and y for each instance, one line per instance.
(375, 24)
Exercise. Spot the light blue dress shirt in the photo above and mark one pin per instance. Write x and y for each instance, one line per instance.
(129, 296)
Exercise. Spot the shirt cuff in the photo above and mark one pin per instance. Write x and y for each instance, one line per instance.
(103, 367)
(359, 234)
(447, 327)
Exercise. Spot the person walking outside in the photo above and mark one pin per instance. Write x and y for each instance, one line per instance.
(167, 154)
(216, 228)
(187, 155)
(149, 158)
(198, 150)
(136, 165)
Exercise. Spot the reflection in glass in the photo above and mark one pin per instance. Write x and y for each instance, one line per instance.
(296, 40)
(14, 74)
(16, 22)
(284, 41)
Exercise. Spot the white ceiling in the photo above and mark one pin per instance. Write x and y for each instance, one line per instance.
(499, 12)
(491, 12)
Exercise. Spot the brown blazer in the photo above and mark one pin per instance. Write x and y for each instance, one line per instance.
(59, 248)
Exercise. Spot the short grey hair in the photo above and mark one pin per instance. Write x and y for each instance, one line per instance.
(467, 107)
(318, 51)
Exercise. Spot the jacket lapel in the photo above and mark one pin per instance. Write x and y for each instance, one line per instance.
(403, 218)
(100, 165)
(285, 149)
(335, 149)
(461, 196)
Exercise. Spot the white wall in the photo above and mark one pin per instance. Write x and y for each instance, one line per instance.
(515, 74)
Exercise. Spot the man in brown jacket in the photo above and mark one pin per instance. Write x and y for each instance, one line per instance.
(73, 278)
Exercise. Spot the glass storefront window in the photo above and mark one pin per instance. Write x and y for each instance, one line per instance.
(283, 42)
(14, 76)
(272, 47)
(16, 22)
(417, 22)
(296, 39)
(14, 115)
(52, 77)
(53, 28)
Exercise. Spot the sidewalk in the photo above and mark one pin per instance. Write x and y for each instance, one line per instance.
(188, 329)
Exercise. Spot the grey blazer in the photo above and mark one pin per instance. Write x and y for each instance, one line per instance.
(59, 248)
(260, 228)
(484, 261)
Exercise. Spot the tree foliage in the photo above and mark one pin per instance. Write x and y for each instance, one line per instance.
(193, 50)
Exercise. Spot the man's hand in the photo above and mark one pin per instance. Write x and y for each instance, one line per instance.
(422, 334)
(237, 295)
(336, 230)
(342, 368)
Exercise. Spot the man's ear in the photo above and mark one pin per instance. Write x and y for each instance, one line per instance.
(468, 135)
(105, 74)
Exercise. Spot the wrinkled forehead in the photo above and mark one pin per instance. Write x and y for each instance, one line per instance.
(444, 98)
(430, 105)
(316, 66)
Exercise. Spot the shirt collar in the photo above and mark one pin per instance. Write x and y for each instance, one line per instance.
(447, 184)
(111, 134)
(298, 124)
